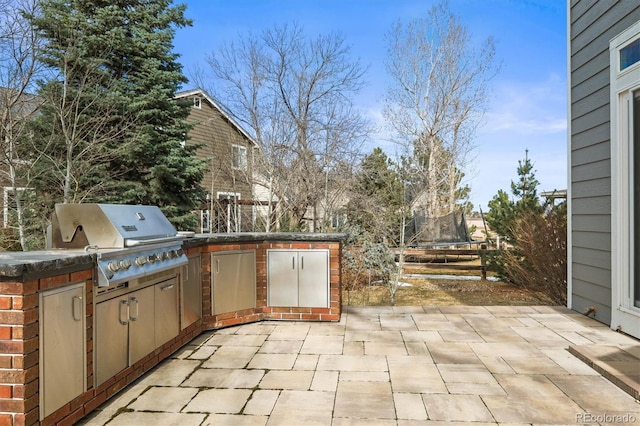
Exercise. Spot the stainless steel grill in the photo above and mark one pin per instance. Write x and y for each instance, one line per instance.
(130, 241)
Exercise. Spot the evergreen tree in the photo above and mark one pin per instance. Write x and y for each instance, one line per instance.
(376, 203)
(118, 56)
(504, 212)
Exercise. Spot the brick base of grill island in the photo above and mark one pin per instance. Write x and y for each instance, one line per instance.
(23, 276)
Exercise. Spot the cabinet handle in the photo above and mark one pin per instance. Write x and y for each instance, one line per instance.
(301, 262)
(134, 317)
(217, 266)
(186, 272)
(77, 308)
(293, 262)
(167, 287)
(126, 320)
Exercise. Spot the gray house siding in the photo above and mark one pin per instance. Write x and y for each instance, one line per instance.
(592, 25)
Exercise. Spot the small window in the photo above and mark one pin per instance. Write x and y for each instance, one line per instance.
(630, 54)
(239, 160)
(197, 102)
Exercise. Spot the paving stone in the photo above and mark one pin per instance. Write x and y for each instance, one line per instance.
(281, 347)
(468, 408)
(237, 339)
(303, 408)
(290, 332)
(325, 381)
(397, 322)
(409, 374)
(170, 372)
(222, 401)
(224, 378)
(261, 402)
(385, 348)
(421, 336)
(323, 344)
(453, 353)
(290, 380)
(166, 399)
(460, 336)
(235, 420)
(532, 410)
(463, 388)
(164, 419)
(306, 362)
(509, 349)
(362, 376)
(418, 349)
(352, 363)
(273, 361)
(231, 357)
(353, 348)
(569, 363)
(409, 406)
(203, 352)
(534, 365)
(465, 373)
(380, 336)
(370, 400)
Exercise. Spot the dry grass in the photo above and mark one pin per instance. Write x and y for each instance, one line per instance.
(445, 293)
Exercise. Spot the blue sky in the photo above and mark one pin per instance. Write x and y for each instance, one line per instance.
(527, 109)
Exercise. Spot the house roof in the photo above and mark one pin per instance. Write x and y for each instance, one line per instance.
(205, 96)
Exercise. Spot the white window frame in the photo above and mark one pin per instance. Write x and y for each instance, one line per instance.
(197, 102)
(239, 159)
(624, 315)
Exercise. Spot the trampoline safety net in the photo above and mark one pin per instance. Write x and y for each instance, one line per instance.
(451, 228)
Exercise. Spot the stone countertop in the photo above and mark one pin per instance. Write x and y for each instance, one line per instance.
(23, 265)
(243, 237)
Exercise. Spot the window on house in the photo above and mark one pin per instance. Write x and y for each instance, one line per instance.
(630, 54)
(239, 160)
(197, 102)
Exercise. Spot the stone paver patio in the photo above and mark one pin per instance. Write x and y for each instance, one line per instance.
(402, 366)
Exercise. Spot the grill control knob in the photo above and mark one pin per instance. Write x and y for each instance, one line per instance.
(180, 252)
(152, 258)
(113, 267)
(172, 254)
(140, 261)
(125, 264)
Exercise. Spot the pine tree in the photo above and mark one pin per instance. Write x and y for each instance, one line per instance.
(123, 50)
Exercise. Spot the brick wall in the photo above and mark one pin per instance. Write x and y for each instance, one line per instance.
(19, 331)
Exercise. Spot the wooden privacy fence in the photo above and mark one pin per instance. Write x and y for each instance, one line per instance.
(445, 259)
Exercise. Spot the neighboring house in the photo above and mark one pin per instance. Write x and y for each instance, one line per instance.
(228, 151)
(604, 167)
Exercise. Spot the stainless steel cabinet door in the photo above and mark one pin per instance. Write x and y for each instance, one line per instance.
(167, 327)
(112, 338)
(191, 291)
(298, 278)
(282, 277)
(62, 347)
(234, 281)
(142, 319)
(313, 278)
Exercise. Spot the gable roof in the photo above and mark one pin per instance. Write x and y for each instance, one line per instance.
(205, 96)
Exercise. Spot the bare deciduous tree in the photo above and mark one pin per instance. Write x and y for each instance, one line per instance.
(436, 100)
(18, 71)
(293, 93)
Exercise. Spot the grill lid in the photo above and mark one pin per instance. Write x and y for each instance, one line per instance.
(110, 226)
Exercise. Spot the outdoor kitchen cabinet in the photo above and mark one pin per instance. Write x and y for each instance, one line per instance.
(63, 364)
(298, 278)
(124, 331)
(233, 281)
(167, 325)
(191, 291)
